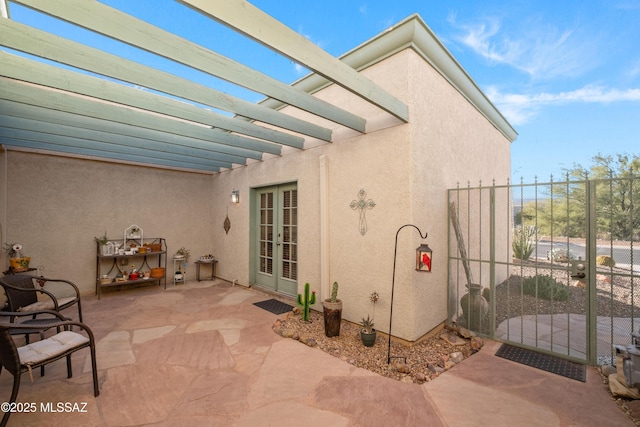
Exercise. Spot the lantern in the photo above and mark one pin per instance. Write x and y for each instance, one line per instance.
(423, 258)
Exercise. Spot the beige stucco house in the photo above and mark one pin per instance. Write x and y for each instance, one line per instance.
(335, 207)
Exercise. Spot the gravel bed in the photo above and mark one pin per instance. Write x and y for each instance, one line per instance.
(410, 362)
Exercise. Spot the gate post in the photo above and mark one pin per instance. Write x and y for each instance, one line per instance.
(590, 255)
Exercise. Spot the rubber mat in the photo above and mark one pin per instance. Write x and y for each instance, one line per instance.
(274, 306)
(546, 362)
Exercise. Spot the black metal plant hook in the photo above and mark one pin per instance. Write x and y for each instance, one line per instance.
(393, 282)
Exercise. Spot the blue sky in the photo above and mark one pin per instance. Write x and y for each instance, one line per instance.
(566, 74)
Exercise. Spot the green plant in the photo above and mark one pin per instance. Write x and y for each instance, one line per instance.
(184, 252)
(102, 239)
(545, 287)
(14, 250)
(524, 241)
(605, 260)
(306, 301)
(560, 255)
(334, 292)
(367, 325)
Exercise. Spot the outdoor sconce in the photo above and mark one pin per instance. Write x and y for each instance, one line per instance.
(235, 196)
(423, 263)
(423, 258)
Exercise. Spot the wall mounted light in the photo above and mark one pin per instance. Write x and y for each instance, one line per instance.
(235, 196)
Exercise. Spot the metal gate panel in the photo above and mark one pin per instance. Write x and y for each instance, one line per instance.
(555, 264)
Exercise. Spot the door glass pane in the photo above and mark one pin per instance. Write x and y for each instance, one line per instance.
(266, 233)
(289, 231)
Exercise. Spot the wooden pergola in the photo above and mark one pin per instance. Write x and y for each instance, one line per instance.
(93, 103)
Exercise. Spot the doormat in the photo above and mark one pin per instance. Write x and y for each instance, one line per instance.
(274, 306)
(546, 362)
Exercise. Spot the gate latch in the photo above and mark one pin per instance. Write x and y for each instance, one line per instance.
(578, 269)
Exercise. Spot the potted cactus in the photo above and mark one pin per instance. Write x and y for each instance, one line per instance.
(368, 333)
(332, 309)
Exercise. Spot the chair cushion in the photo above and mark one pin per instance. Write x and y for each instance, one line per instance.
(41, 350)
(45, 304)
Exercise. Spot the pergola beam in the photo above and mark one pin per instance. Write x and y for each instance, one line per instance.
(63, 101)
(251, 21)
(128, 29)
(49, 46)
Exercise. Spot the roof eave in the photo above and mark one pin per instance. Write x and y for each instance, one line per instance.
(412, 33)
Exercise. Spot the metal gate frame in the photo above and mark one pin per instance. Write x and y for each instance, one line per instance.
(481, 252)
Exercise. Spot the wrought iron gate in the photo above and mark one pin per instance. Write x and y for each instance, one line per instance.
(551, 266)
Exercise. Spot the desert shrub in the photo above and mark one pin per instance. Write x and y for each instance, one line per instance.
(524, 241)
(605, 260)
(560, 255)
(545, 287)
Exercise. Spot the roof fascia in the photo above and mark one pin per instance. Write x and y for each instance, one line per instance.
(412, 33)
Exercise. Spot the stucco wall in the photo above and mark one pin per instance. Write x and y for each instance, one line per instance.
(56, 205)
(405, 169)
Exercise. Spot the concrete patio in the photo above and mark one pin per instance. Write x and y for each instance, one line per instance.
(202, 354)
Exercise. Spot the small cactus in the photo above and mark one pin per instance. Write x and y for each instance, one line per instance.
(605, 260)
(334, 292)
(367, 324)
(306, 301)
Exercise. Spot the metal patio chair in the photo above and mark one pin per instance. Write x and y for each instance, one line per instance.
(18, 360)
(22, 292)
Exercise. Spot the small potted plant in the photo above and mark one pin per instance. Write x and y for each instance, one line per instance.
(368, 333)
(17, 260)
(182, 253)
(102, 242)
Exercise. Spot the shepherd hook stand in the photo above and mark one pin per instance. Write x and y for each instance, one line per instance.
(393, 285)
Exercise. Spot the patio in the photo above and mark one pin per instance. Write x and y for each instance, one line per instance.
(203, 354)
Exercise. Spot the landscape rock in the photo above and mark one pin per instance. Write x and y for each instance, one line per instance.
(619, 389)
(456, 357)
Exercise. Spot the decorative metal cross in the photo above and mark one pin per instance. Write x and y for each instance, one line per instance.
(362, 205)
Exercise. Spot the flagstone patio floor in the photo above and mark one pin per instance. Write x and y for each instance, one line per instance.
(201, 354)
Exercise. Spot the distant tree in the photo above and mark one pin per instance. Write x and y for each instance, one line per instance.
(562, 212)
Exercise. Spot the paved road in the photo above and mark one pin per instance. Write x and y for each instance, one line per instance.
(624, 256)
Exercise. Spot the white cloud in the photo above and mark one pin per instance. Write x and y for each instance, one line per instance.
(521, 108)
(541, 51)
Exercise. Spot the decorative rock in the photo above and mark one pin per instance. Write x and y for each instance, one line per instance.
(476, 343)
(619, 389)
(403, 368)
(465, 333)
(308, 341)
(288, 333)
(608, 370)
(420, 377)
(435, 369)
(456, 357)
(634, 408)
(452, 339)
(449, 364)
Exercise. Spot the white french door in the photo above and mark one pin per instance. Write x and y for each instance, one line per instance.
(276, 240)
